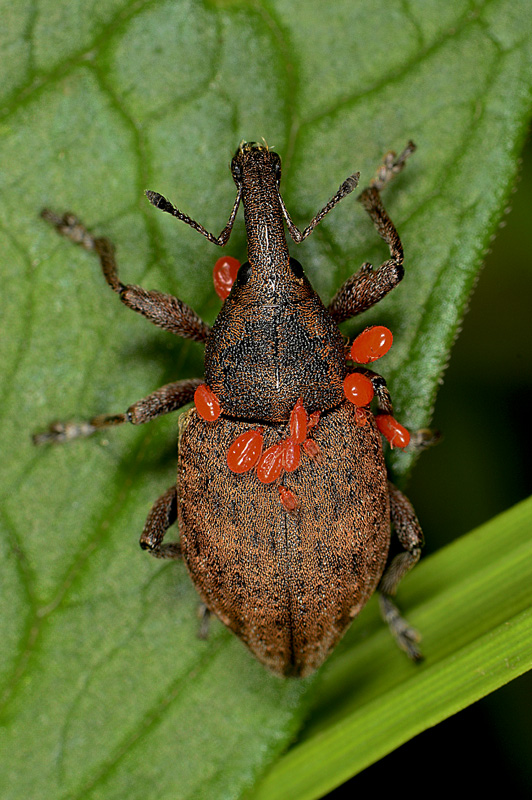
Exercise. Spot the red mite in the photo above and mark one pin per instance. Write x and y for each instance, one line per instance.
(298, 423)
(393, 430)
(288, 499)
(224, 274)
(206, 403)
(283, 502)
(245, 451)
(270, 466)
(358, 389)
(371, 344)
(291, 455)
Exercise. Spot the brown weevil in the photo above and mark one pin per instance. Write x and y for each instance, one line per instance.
(283, 502)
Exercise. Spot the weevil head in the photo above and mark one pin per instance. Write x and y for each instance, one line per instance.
(270, 275)
(254, 162)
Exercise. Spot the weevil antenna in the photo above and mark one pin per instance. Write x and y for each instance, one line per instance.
(346, 188)
(161, 202)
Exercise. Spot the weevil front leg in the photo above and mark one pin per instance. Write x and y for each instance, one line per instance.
(163, 401)
(367, 286)
(410, 535)
(163, 310)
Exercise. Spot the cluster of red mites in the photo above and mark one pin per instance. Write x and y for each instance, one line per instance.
(246, 451)
(373, 343)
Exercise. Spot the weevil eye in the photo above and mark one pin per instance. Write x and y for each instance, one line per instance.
(244, 274)
(296, 267)
(236, 171)
(277, 171)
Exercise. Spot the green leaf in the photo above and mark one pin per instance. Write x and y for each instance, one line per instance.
(473, 600)
(106, 690)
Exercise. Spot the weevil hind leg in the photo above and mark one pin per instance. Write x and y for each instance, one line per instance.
(162, 516)
(410, 535)
(204, 616)
(404, 634)
(367, 286)
(163, 401)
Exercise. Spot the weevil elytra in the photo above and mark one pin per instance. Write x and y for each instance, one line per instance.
(284, 507)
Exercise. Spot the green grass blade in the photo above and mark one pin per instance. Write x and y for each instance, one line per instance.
(476, 616)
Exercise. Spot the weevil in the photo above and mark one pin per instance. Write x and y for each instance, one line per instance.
(282, 499)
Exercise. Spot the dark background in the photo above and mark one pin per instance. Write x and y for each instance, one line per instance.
(480, 469)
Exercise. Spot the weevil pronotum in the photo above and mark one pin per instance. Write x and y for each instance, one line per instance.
(282, 498)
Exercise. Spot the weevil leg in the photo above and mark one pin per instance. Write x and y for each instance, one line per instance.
(410, 535)
(382, 393)
(162, 516)
(163, 401)
(163, 310)
(367, 286)
(424, 438)
(204, 616)
(421, 439)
